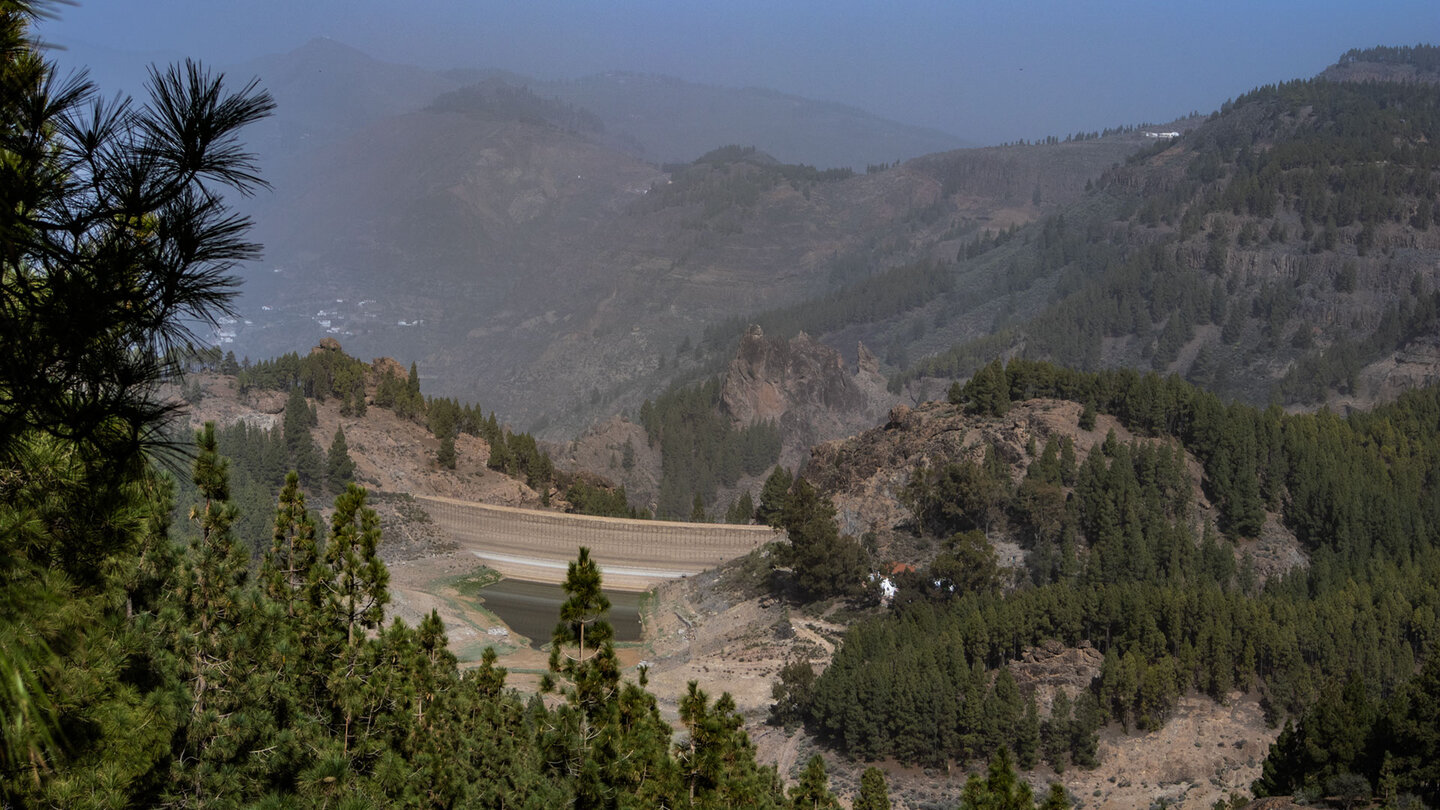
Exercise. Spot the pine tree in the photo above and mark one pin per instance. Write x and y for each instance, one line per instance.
(743, 509)
(414, 401)
(874, 793)
(108, 204)
(1004, 708)
(1084, 740)
(209, 642)
(716, 763)
(339, 467)
(792, 692)
(1000, 789)
(988, 391)
(500, 458)
(1056, 798)
(812, 792)
(216, 568)
(445, 455)
(774, 496)
(583, 666)
(304, 454)
(825, 564)
(1417, 746)
(357, 580)
(105, 281)
(583, 622)
(1055, 732)
(1027, 736)
(294, 552)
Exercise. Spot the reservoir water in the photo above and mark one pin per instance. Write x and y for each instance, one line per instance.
(532, 609)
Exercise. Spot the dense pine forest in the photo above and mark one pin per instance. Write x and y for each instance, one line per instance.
(1116, 561)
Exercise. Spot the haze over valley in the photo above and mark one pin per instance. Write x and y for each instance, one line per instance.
(652, 406)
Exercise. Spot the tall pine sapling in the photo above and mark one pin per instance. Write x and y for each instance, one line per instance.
(289, 565)
(358, 581)
(582, 655)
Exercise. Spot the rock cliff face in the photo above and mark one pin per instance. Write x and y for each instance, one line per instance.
(1052, 667)
(805, 388)
(865, 474)
(801, 384)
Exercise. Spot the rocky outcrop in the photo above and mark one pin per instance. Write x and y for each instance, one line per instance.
(1052, 667)
(619, 451)
(770, 377)
(865, 474)
(804, 387)
(265, 401)
(381, 366)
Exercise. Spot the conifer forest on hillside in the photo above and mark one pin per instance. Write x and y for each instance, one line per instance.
(205, 618)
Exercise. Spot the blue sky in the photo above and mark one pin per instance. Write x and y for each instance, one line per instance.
(986, 71)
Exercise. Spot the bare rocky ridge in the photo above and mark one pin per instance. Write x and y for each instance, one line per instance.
(601, 450)
(866, 474)
(1051, 667)
(804, 387)
(394, 458)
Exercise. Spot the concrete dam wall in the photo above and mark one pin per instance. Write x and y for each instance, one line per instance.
(538, 545)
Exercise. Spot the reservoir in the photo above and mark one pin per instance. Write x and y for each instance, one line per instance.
(533, 608)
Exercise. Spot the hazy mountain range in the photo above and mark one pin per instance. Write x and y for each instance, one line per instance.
(525, 245)
(496, 243)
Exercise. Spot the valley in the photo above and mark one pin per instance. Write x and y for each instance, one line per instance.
(909, 467)
(512, 255)
(778, 471)
(724, 627)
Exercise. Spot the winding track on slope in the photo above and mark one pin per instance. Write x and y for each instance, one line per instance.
(633, 555)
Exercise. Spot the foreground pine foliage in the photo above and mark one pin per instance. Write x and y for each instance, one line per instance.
(144, 664)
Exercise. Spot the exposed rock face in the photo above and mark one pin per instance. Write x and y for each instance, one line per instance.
(803, 386)
(381, 366)
(266, 402)
(1052, 667)
(767, 378)
(601, 450)
(865, 474)
(867, 363)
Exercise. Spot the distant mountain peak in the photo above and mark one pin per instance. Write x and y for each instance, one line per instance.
(328, 51)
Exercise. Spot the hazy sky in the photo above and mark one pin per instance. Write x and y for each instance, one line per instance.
(987, 71)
